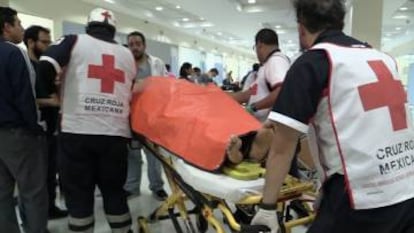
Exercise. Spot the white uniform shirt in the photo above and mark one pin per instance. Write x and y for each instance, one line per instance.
(270, 75)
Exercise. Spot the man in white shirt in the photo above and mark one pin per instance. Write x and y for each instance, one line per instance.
(262, 93)
(147, 66)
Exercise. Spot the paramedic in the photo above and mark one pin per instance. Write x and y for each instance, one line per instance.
(264, 89)
(95, 120)
(347, 96)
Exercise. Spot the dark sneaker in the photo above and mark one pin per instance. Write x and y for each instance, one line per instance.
(56, 213)
(160, 195)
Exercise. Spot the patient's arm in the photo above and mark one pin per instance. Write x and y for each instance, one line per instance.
(233, 152)
(260, 145)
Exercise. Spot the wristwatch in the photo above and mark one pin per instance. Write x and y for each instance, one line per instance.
(253, 107)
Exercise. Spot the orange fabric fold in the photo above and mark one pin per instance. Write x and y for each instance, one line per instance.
(194, 122)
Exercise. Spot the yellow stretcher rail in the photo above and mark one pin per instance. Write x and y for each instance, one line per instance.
(292, 189)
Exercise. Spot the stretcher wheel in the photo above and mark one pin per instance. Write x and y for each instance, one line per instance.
(202, 224)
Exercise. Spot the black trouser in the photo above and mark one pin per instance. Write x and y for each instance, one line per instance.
(86, 161)
(336, 216)
(51, 170)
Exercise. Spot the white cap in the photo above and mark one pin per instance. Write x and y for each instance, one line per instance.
(100, 15)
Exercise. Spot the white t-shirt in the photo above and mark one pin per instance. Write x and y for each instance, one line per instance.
(270, 75)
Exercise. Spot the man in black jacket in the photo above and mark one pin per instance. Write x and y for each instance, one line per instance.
(37, 40)
(23, 158)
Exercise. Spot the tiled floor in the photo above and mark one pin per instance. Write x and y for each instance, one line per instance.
(142, 205)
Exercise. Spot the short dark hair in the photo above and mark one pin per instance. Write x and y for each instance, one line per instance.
(33, 33)
(168, 67)
(7, 15)
(256, 67)
(319, 15)
(214, 70)
(184, 67)
(196, 69)
(267, 36)
(137, 33)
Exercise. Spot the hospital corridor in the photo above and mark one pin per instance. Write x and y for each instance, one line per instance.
(218, 116)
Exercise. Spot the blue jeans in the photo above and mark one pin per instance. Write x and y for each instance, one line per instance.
(154, 169)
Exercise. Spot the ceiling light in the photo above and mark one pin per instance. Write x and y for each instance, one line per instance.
(178, 7)
(239, 8)
(254, 9)
(176, 24)
(149, 14)
(219, 33)
(202, 19)
(251, 1)
(403, 8)
(290, 41)
(278, 27)
(397, 28)
(185, 19)
(206, 25)
(159, 8)
(400, 17)
(110, 1)
(281, 32)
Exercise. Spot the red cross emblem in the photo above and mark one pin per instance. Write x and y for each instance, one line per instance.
(387, 92)
(107, 74)
(107, 15)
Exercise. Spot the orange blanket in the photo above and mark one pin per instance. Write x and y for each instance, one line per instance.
(191, 121)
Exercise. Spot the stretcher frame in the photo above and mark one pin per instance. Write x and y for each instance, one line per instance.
(204, 204)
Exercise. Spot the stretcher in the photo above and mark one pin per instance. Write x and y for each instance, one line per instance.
(208, 192)
(195, 124)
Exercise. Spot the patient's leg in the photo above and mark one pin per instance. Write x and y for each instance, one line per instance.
(233, 150)
(261, 144)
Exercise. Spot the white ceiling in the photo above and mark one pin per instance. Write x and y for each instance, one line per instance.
(398, 24)
(235, 22)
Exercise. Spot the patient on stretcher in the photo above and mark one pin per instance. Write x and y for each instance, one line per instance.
(253, 147)
(196, 123)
